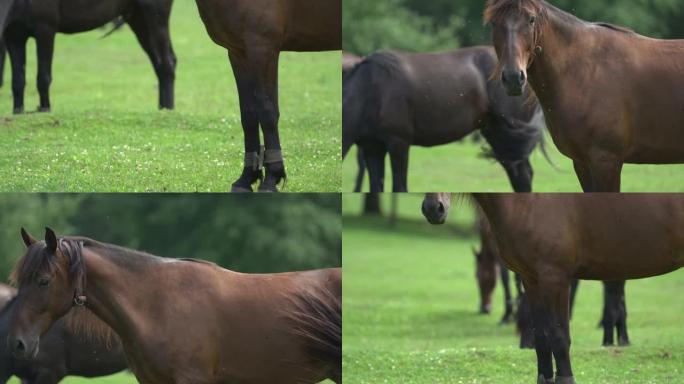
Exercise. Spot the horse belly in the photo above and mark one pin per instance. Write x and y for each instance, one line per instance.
(84, 15)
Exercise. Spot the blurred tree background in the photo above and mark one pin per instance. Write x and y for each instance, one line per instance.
(258, 233)
(428, 25)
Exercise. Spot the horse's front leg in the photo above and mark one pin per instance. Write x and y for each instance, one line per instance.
(508, 299)
(605, 170)
(3, 53)
(45, 47)
(15, 39)
(263, 59)
(246, 84)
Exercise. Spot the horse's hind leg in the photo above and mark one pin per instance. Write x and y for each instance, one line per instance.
(614, 313)
(252, 172)
(399, 158)
(150, 23)
(15, 39)
(375, 161)
(3, 52)
(362, 170)
(45, 46)
(508, 300)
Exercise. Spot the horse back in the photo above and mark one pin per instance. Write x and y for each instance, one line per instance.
(73, 16)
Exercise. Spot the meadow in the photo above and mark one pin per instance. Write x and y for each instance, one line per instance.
(410, 312)
(106, 134)
(461, 167)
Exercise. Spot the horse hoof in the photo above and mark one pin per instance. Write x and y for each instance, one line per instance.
(542, 380)
(263, 188)
(43, 109)
(624, 343)
(18, 111)
(565, 380)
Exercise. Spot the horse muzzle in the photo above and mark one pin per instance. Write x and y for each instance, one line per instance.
(23, 347)
(514, 81)
(434, 212)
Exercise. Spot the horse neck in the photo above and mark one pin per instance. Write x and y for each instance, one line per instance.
(558, 38)
(111, 288)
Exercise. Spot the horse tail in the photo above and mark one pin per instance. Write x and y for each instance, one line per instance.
(317, 323)
(117, 24)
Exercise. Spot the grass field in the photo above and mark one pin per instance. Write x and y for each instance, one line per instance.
(460, 167)
(106, 134)
(410, 304)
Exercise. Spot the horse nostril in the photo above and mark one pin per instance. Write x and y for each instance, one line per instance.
(522, 77)
(503, 77)
(19, 346)
(440, 209)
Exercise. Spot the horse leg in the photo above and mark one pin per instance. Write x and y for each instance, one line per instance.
(520, 174)
(3, 52)
(252, 171)
(362, 170)
(605, 174)
(525, 323)
(549, 300)
(508, 300)
(264, 60)
(583, 175)
(16, 47)
(614, 313)
(399, 157)
(542, 326)
(573, 292)
(151, 27)
(45, 46)
(374, 154)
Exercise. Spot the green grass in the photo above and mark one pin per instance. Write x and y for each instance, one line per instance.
(460, 167)
(106, 134)
(410, 302)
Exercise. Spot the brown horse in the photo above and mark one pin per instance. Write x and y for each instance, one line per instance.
(255, 32)
(610, 96)
(550, 239)
(184, 321)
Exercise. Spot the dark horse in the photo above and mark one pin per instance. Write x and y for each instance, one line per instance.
(394, 100)
(42, 20)
(255, 32)
(63, 351)
(550, 239)
(194, 322)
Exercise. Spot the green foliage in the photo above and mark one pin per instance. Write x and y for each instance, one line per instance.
(409, 24)
(260, 233)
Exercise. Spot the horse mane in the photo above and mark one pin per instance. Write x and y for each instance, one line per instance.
(614, 27)
(317, 321)
(82, 321)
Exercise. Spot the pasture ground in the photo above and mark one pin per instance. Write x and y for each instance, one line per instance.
(459, 167)
(106, 134)
(410, 312)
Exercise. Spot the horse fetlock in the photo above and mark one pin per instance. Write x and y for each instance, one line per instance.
(248, 178)
(275, 173)
(542, 380)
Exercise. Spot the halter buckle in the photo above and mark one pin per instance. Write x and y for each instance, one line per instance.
(79, 300)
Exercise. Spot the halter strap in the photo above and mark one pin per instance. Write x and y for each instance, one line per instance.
(76, 257)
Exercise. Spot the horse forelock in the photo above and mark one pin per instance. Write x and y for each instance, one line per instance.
(34, 262)
(498, 10)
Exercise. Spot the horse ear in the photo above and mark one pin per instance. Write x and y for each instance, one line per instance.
(28, 239)
(51, 240)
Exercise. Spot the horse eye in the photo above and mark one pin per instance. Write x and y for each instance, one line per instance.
(43, 282)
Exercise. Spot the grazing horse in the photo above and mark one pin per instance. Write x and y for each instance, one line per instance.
(394, 100)
(610, 96)
(63, 352)
(487, 264)
(551, 239)
(42, 20)
(244, 328)
(255, 32)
